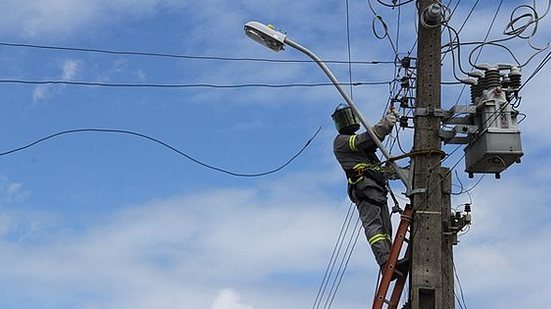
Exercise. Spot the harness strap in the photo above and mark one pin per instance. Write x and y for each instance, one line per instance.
(357, 173)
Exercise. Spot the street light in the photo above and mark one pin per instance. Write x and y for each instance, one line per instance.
(276, 41)
(265, 35)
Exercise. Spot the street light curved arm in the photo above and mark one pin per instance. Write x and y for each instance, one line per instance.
(275, 40)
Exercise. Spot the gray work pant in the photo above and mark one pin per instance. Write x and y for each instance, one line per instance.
(370, 199)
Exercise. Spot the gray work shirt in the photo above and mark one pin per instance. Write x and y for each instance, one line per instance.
(353, 149)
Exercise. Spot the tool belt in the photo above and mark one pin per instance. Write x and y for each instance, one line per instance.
(371, 170)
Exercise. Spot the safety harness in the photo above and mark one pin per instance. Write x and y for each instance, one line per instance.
(360, 170)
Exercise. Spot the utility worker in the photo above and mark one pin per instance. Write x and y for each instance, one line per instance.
(367, 186)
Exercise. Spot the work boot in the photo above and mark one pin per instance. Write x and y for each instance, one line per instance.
(402, 267)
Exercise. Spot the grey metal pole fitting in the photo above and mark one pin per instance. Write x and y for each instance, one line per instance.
(432, 16)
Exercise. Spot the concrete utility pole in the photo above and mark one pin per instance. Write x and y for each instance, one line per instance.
(431, 285)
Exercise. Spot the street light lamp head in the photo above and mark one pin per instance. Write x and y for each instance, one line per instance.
(265, 35)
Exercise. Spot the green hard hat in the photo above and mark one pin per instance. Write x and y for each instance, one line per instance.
(345, 120)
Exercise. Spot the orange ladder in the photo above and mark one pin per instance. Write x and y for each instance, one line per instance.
(389, 270)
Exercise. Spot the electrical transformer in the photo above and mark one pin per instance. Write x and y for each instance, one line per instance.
(491, 127)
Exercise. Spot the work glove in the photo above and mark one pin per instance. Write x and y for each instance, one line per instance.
(384, 126)
(390, 117)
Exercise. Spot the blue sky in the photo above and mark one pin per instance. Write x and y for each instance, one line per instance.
(97, 220)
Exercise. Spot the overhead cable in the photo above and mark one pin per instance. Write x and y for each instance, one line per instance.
(164, 144)
(177, 56)
(459, 47)
(379, 18)
(334, 256)
(192, 85)
(462, 25)
(514, 29)
(394, 4)
(485, 39)
(540, 66)
(349, 51)
(353, 240)
(460, 285)
(532, 18)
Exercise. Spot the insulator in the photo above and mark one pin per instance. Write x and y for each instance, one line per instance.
(406, 62)
(473, 93)
(492, 77)
(467, 207)
(405, 82)
(404, 122)
(505, 81)
(404, 102)
(457, 216)
(476, 74)
(480, 86)
(515, 77)
(432, 15)
(483, 66)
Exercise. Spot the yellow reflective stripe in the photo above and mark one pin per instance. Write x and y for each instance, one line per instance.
(353, 182)
(377, 237)
(370, 166)
(362, 165)
(352, 143)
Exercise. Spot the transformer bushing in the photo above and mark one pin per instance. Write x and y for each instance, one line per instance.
(492, 78)
(478, 87)
(505, 81)
(474, 93)
(515, 77)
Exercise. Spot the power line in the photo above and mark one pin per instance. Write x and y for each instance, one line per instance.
(344, 263)
(334, 255)
(178, 56)
(540, 66)
(394, 4)
(175, 85)
(478, 56)
(164, 144)
(349, 52)
(377, 17)
(481, 46)
(463, 24)
(460, 286)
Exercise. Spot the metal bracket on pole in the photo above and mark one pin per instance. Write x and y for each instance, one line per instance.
(437, 112)
(418, 191)
(350, 103)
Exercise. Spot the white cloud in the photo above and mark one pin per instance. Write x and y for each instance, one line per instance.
(40, 92)
(47, 17)
(183, 250)
(61, 18)
(11, 192)
(70, 69)
(506, 240)
(229, 299)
